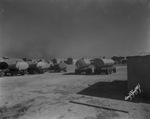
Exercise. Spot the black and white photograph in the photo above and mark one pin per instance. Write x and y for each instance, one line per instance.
(74, 59)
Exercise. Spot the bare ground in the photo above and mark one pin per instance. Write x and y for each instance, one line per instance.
(50, 96)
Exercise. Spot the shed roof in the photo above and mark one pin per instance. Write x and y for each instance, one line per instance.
(142, 54)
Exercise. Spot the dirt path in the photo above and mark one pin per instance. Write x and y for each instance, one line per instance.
(48, 96)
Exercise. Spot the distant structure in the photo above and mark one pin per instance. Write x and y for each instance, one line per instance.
(69, 61)
(5, 57)
(118, 59)
(54, 61)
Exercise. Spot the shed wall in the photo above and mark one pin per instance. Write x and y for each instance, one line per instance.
(138, 69)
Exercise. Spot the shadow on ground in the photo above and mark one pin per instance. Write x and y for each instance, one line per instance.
(72, 73)
(112, 90)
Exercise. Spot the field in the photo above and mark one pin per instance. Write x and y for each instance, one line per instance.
(69, 96)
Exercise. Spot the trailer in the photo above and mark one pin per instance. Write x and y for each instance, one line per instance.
(14, 69)
(3, 68)
(83, 66)
(37, 68)
(103, 66)
(58, 67)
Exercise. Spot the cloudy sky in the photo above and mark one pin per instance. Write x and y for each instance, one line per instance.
(62, 28)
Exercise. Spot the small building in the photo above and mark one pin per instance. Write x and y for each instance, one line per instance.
(70, 60)
(138, 70)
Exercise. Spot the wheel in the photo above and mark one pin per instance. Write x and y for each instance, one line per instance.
(34, 72)
(110, 71)
(95, 71)
(114, 70)
(65, 70)
(2, 73)
(107, 72)
(76, 71)
(12, 74)
(58, 70)
(30, 72)
(5, 74)
(22, 73)
(89, 71)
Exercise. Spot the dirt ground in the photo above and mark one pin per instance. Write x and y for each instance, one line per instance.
(69, 96)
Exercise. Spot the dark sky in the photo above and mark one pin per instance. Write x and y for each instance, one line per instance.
(62, 28)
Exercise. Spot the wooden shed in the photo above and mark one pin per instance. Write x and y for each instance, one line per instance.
(138, 70)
